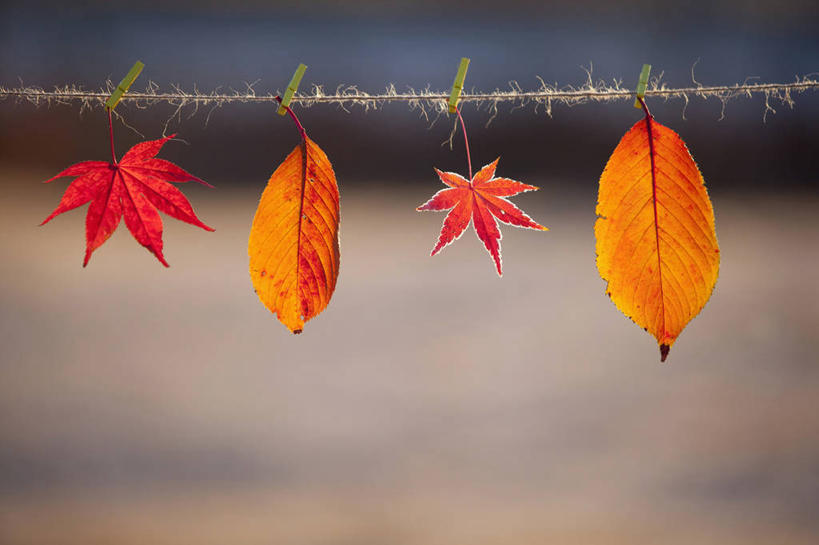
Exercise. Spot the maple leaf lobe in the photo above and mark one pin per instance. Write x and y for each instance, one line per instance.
(136, 188)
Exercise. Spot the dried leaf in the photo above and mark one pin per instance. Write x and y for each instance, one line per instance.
(135, 187)
(656, 241)
(479, 201)
(293, 246)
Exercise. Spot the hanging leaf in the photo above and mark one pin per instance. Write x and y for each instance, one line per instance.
(479, 201)
(293, 244)
(656, 241)
(134, 188)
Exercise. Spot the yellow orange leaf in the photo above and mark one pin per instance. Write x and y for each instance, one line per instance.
(656, 241)
(293, 244)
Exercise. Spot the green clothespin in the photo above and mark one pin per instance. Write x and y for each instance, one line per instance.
(458, 85)
(123, 86)
(291, 88)
(641, 85)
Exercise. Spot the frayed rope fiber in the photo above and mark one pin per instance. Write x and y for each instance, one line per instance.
(427, 101)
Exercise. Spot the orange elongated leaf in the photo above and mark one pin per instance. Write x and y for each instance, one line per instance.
(656, 241)
(293, 246)
(480, 201)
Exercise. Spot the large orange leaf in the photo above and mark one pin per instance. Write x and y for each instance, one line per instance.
(656, 242)
(293, 244)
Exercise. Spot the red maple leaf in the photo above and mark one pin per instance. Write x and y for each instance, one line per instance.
(479, 201)
(134, 188)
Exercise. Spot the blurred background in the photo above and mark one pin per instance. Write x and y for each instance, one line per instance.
(431, 403)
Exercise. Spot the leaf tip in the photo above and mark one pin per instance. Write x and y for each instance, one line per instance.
(204, 183)
(297, 331)
(664, 348)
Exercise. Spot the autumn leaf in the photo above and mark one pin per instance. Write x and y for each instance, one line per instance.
(480, 201)
(293, 246)
(656, 241)
(134, 188)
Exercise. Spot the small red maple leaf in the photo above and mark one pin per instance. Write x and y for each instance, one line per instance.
(479, 201)
(133, 188)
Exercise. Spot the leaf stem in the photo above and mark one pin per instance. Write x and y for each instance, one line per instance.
(466, 141)
(111, 136)
(302, 132)
(645, 107)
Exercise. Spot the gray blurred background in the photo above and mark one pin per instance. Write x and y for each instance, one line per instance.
(431, 402)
